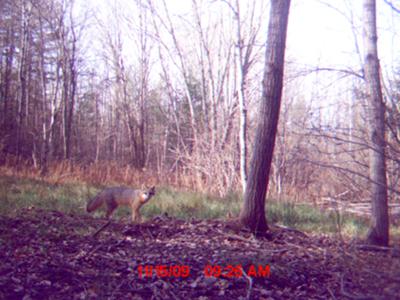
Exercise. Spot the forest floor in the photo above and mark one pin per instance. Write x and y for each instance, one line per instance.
(51, 255)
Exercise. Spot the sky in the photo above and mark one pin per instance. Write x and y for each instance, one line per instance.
(321, 33)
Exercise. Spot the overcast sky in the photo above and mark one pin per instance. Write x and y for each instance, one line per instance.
(319, 34)
(323, 33)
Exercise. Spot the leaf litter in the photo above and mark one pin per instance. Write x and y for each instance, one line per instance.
(51, 255)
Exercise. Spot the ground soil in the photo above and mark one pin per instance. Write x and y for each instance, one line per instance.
(51, 255)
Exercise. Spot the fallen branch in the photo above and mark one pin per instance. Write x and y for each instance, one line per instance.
(292, 230)
(101, 228)
(234, 236)
(249, 281)
(373, 248)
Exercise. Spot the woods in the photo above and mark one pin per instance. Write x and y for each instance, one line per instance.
(202, 149)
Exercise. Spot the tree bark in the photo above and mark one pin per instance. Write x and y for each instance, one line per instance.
(252, 214)
(242, 68)
(22, 79)
(379, 231)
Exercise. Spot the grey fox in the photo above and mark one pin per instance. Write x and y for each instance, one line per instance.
(115, 196)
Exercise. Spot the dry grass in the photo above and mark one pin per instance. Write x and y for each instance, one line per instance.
(67, 188)
(100, 174)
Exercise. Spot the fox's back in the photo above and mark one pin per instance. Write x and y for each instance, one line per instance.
(121, 195)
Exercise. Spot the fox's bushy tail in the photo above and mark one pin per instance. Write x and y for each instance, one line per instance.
(94, 203)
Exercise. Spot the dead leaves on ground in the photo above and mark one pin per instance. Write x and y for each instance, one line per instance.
(50, 255)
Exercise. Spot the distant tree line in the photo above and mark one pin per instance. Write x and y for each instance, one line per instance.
(144, 87)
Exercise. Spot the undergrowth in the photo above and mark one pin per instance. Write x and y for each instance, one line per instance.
(71, 197)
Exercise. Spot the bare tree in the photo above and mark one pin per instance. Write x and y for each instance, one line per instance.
(23, 75)
(244, 58)
(70, 78)
(379, 231)
(252, 214)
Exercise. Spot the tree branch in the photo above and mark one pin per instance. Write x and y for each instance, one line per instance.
(397, 10)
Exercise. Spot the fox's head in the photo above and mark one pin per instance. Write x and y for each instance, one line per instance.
(146, 195)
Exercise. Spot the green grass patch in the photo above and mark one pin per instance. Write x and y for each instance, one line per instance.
(304, 217)
(186, 205)
(311, 219)
(17, 193)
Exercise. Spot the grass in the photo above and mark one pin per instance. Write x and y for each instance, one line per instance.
(188, 205)
(311, 219)
(17, 193)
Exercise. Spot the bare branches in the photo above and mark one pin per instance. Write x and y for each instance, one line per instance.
(345, 72)
(392, 6)
(348, 170)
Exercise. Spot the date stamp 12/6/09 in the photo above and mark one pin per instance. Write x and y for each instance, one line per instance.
(217, 271)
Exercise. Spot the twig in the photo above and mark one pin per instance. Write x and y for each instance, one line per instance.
(373, 248)
(392, 6)
(248, 240)
(292, 230)
(249, 283)
(94, 249)
(234, 236)
(101, 228)
(113, 258)
(331, 293)
(151, 235)
(120, 242)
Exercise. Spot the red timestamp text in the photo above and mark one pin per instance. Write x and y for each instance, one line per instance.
(236, 271)
(162, 271)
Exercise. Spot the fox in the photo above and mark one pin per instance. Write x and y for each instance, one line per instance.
(113, 197)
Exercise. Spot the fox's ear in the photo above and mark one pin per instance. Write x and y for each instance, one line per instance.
(152, 190)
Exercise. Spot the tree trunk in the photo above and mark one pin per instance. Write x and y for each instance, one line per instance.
(242, 67)
(252, 214)
(379, 231)
(6, 84)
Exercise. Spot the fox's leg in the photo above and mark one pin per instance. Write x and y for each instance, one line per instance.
(111, 206)
(135, 215)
